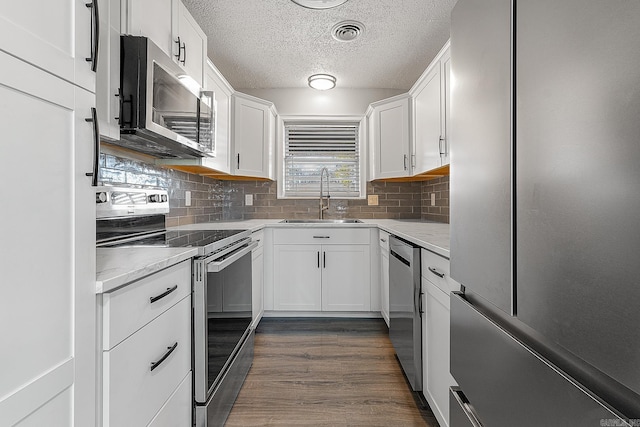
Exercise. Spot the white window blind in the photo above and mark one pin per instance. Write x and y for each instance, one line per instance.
(311, 147)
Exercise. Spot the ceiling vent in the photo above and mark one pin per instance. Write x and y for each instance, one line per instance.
(347, 31)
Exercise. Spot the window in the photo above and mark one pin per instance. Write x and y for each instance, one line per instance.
(311, 146)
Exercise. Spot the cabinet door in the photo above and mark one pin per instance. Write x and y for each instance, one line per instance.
(108, 73)
(48, 303)
(391, 139)
(435, 330)
(297, 277)
(427, 120)
(193, 43)
(257, 282)
(222, 93)
(251, 137)
(152, 19)
(54, 35)
(384, 272)
(346, 278)
(445, 80)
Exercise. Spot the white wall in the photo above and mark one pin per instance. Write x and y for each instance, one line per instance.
(307, 101)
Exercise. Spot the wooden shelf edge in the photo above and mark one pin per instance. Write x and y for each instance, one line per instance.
(425, 176)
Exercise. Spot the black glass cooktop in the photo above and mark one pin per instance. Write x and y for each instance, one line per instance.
(174, 239)
(148, 232)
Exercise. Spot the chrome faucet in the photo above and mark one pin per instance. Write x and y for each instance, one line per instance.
(322, 206)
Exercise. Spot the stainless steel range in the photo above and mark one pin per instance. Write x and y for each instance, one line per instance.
(222, 336)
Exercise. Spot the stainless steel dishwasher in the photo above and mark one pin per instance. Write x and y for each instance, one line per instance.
(405, 311)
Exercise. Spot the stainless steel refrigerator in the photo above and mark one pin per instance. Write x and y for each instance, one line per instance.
(545, 212)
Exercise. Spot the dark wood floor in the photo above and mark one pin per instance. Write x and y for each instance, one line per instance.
(326, 372)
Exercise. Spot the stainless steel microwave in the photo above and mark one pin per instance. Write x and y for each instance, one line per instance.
(163, 111)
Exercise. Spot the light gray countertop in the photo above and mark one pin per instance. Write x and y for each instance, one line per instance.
(119, 266)
(433, 236)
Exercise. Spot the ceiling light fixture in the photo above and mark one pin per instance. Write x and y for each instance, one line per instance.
(322, 81)
(319, 4)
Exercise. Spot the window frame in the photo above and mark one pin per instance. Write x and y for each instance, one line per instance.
(322, 120)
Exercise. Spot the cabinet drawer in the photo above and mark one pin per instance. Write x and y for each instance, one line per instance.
(317, 236)
(436, 270)
(132, 392)
(177, 410)
(384, 240)
(129, 308)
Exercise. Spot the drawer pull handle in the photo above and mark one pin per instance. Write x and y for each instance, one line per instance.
(154, 365)
(321, 237)
(162, 295)
(383, 240)
(436, 272)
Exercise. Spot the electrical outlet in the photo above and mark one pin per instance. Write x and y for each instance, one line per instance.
(372, 200)
(433, 199)
(248, 199)
(187, 198)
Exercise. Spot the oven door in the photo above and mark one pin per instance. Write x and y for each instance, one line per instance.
(222, 315)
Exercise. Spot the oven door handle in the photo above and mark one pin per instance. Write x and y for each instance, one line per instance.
(217, 266)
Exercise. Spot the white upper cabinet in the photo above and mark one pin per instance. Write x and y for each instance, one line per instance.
(430, 99)
(408, 134)
(253, 136)
(108, 73)
(152, 19)
(190, 44)
(389, 134)
(169, 25)
(215, 82)
(54, 35)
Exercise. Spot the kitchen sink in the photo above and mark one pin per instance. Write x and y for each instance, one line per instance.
(321, 221)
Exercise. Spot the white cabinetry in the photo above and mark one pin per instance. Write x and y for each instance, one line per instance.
(253, 136)
(170, 26)
(389, 136)
(408, 134)
(222, 90)
(436, 287)
(384, 274)
(322, 269)
(191, 46)
(108, 72)
(146, 350)
(53, 35)
(257, 281)
(297, 277)
(48, 302)
(430, 97)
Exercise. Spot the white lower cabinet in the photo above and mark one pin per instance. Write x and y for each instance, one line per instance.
(384, 275)
(435, 334)
(178, 408)
(346, 278)
(297, 277)
(257, 279)
(313, 276)
(147, 359)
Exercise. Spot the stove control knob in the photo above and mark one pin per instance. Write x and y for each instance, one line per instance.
(164, 198)
(154, 198)
(101, 197)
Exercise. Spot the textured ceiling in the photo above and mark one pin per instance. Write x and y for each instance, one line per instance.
(262, 44)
